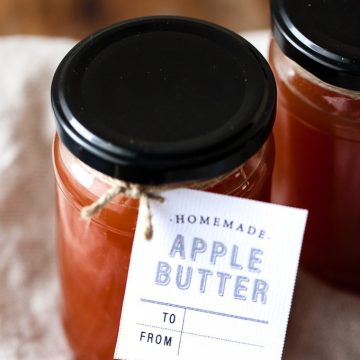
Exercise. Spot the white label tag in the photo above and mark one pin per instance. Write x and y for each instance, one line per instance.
(215, 281)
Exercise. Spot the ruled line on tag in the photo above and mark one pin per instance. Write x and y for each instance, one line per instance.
(206, 311)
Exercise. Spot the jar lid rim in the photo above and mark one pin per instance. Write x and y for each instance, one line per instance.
(161, 150)
(321, 36)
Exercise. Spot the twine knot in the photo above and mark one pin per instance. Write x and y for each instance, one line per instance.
(133, 191)
(144, 194)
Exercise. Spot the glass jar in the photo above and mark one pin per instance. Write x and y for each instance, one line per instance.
(315, 56)
(196, 104)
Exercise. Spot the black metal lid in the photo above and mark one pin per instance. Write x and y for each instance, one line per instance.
(164, 99)
(323, 36)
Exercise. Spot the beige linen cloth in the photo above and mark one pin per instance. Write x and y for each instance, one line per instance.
(325, 323)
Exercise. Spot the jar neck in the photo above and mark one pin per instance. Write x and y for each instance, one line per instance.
(343, 103)
(290, 64)
(97, 183)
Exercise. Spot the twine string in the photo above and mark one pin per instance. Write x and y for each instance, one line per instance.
(138, 192)
(133, 191)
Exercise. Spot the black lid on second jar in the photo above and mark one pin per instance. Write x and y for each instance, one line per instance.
(323, 36)
(164, 99)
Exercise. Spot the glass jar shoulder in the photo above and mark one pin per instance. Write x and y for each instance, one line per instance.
(80, 185)
(77, 180)
(84, 185)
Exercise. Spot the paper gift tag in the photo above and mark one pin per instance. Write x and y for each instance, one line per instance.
(215, 281)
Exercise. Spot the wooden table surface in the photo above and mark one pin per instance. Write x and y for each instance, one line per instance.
(77, 18)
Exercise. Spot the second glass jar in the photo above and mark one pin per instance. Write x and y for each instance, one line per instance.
(317, 130)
